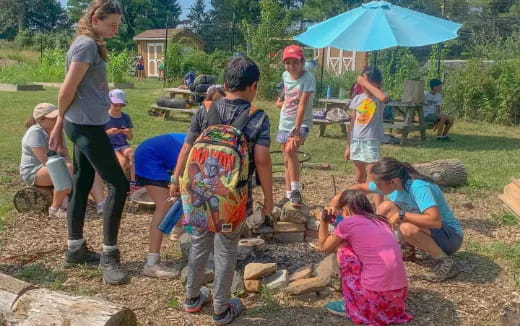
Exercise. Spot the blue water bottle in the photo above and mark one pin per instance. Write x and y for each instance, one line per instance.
(171, 218)
(329, 91)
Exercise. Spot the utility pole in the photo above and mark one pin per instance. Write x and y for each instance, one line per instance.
(165, 72)
(233, 34)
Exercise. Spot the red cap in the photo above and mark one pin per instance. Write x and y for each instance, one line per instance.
(292, 51)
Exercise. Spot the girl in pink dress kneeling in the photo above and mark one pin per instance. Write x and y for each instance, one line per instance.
(373, 276)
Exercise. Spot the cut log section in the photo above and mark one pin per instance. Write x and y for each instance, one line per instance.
(446, 173)
(511, 196)
(23, 304)
(32, 199)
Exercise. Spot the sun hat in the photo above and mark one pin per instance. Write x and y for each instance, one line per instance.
(117, 96)
(45, 110)
(292, 51)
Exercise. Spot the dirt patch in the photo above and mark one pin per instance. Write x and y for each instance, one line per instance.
(474, 297)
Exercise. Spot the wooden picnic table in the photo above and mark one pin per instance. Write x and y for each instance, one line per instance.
(332, 103)
(408, 125)
(179, 93)
(166, 112)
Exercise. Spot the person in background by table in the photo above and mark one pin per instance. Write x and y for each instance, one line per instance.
(119, 131)
(366, 126)
(299, 87)
(155, 160)
(140, 68)
(432, 111)
(161, 69)
(214, 93)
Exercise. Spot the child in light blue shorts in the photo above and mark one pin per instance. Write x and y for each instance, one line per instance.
(366, 127)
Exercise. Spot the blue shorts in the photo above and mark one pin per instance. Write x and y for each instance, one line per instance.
(447, 238)
(121, 148)
(142, 181)
(283, 136)
(368, 151)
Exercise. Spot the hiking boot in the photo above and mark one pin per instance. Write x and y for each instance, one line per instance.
(160, 271)
(296, 198)
(234, 309)
(195, 304)
(337, 308)
(444, 269)
(281, 202)
(57, 212)
(110, 265)
(80, 256)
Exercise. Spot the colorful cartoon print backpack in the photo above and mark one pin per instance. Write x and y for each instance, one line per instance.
(215, 183)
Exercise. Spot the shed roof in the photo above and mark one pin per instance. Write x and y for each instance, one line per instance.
(160, 34)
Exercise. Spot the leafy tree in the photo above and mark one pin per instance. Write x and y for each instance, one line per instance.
(76, 9)
(46, 15)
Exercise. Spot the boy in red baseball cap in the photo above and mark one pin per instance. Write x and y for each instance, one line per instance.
(295, 103)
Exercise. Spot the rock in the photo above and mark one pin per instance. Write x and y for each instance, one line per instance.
(278, 280)
(252, 243)
(468, 205)
(327, 268)
(325, 292)
(311, 296)
(311, 234)
(252, 285)
(277, 212)
(255, 271)
(306, 285)
(294, 214)
(270, 220)
(288, 227)
(209, 275)
(510, 314)
(238, 283)
(256, 219)
(312, 223)
(244, 252)
(263, 230)
(304, 272)
(185, 244)
(289, 237)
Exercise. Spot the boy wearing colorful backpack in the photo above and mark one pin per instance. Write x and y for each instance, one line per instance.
(223, 147)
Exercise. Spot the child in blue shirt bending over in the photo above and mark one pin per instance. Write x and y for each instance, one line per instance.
(298, 91)
(119, 131)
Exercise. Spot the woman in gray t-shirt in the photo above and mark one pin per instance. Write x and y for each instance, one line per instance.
(83, 103)
(35, 145)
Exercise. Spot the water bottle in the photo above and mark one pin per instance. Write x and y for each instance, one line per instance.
(60, 175)
(342, 93)
(171, 218)
(329, 91)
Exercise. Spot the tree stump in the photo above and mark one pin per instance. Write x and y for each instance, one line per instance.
(23, 304)
(446, 173)
(32, 199)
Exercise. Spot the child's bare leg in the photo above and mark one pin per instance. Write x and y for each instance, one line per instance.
(441, 125)
(449, 124)
(360, 170)
(286, 173)
(122, 161)
(97, 190)
(128, 153)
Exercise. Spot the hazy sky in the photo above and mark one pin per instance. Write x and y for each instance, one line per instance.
(185, 5)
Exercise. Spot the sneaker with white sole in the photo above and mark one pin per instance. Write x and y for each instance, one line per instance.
(100, 207)
(337, 308)
(57, 212)
(195, 304)
(444, 269)
(160, 271)
(296, 198)
(234, 309)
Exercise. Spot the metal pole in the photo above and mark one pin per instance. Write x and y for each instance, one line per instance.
(322, 68)
(439, 49)
(233, 34)
(165, 71)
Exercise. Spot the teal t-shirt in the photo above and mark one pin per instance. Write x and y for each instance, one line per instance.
(293, 90)
(419, 196)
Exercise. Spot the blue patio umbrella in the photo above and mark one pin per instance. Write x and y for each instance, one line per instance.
(378, 25)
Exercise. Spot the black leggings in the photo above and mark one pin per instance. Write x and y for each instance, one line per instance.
(93, 152)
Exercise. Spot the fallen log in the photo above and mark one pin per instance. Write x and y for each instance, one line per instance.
(32, 199)
(23, 304)
(446, 173)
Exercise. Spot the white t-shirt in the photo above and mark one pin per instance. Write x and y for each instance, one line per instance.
(430, 102)
(293, 90)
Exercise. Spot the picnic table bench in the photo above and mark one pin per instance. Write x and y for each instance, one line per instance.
(329, 105)
(167, 113)
(408, 125)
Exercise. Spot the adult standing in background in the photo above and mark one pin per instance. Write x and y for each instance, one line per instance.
(83, 101)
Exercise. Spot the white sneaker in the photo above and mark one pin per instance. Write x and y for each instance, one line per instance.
(57, 212)
(160, 271)
(100, 207)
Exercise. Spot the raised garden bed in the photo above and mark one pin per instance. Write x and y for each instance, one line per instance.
(16, 88)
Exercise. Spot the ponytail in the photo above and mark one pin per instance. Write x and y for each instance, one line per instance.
(389, 168)
(30, 122)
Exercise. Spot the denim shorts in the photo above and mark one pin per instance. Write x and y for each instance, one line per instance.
(142, 181)
(121, 148)
(283, 136)
(447, 238)
(363, 150)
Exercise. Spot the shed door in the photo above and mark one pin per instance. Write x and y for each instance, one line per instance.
(155, 53)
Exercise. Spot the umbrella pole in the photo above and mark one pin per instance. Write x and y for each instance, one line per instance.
(322, 68)
(375, 58)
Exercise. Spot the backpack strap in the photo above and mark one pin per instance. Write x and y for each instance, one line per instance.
(244, 117)
(213, 118)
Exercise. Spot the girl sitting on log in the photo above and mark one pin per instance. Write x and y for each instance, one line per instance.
(373, 276)
(419, 210)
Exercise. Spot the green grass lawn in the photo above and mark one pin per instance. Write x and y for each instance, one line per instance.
(491, 153)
